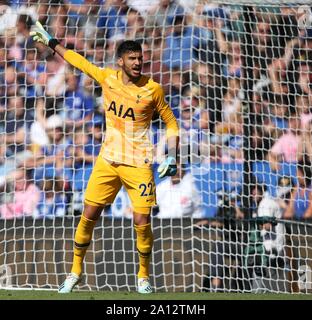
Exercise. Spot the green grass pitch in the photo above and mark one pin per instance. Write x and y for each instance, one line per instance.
(108, 295)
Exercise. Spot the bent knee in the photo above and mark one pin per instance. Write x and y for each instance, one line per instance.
(92, 210)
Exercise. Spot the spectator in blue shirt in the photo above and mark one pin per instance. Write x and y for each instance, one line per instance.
(52, 202)
(49, 160)
(113, 19)
(234, 150)
(163, 13)
(80, 155)
(175, 90)
(81, 151)
(181, 45)
(16, 125)
(78, 107)
(30, 70)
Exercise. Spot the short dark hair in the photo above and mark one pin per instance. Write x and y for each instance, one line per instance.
(304, 165)
(26, 20)
(178, 19)
(255, 183)
(128, 46)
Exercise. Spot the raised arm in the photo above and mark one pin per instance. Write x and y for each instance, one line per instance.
(73, 58)
(281, 64)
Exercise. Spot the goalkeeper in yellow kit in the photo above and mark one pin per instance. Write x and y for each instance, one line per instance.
(130, 100)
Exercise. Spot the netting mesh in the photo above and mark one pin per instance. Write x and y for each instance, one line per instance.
(238, 79)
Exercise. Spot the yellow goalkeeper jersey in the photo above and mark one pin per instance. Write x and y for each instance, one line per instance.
(128, 110)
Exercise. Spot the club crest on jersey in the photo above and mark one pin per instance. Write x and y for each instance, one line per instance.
(138, 98)
(120, 111)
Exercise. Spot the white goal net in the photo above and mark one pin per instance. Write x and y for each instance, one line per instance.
(238, 77)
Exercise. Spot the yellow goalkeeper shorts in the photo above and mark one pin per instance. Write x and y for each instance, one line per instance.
(107, 178)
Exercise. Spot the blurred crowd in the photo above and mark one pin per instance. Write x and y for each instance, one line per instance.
(216, 63)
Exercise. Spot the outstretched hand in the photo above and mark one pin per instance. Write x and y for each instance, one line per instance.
(40, 35)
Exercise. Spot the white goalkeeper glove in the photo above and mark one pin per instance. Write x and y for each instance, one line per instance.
(40, 35)
(167, 168)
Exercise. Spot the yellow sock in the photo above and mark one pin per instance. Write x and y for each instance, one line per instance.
(82, 240)
(144, 247)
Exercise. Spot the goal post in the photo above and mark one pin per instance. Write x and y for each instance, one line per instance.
(237, 76)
